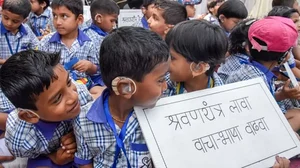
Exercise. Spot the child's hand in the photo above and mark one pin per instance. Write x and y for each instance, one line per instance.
(61, 157)
(290, 93)
(68, 143)
(281, 162)
(46, 31)
(83, 65)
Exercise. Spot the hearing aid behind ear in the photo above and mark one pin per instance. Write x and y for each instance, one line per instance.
(125, 89)
(29, 113)
(197, 67)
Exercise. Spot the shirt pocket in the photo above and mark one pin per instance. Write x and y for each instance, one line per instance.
(141, 153)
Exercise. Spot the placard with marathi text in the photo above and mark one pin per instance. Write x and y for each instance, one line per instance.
(236, 125)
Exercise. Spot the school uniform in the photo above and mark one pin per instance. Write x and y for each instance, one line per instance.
(97, 136)
(41, 22)
(211, 18)
(253, 70)
(232, 63)
(176, 88)
(35, 141)
(97, 35)
(11, 43)
(82, 48)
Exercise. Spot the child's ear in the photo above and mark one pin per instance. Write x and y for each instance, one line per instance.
(98, 18)
(28, 116)
(43, 5)
(168, 28)
(80, 19)
(222, 18)
(124, 86)
(199, 69)
(144, 10)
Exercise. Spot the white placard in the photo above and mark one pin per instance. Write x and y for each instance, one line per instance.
(86, 13)
(130, 17)
(234, 126)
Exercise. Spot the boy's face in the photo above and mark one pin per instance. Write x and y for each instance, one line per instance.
(60, 101)
(214, 10)
(11, 21)
(179, 68)
(65, 21)
(148, 11)
(157, 23)
(107, 22)
(296, 5)
(191, 10)
(151, 88)
(35, 6)
(295, 17)
(229, 23)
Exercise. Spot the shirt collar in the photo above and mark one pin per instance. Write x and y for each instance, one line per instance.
(47, 128)
(22, 29)
(96, 112)
(81, 38)
(145, 23)
(98, 30)
(269, 74)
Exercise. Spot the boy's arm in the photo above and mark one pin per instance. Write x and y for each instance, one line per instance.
(2, 61)
(83, 156)
(19, 138)
(3, 118)
(93, 57)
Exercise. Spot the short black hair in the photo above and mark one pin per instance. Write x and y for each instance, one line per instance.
(75, 6)
(103, 7)
(199, 41)
(213, 3)
(131, 52)
(146, 3)
(289, 3)
(25, 75)
(46, 1)
(135, 4)
(283, 11)
(173, 12)
(238, 38)
(233, 9)
(266, 56)
(19, 7)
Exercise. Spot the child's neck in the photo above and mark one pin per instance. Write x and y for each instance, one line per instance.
(120, 108)
(268, 65)
(68, 39)
(196, 83)
(39, 12)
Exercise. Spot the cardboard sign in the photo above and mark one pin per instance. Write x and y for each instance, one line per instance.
(130, 17)
(236, 125)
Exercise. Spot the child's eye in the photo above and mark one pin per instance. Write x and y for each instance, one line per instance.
(162, 80)
(57, 99)
(15, 21)
(54, 16)
(65, 16)
(69, 83)
(172, 58)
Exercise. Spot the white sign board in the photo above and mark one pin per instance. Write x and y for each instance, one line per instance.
(234, 126)
(86, 13)
(130, 17)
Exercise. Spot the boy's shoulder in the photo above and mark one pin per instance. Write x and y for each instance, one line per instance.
(46, 38)
(245, 72)
(218, 81)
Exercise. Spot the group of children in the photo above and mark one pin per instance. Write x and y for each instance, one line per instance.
(68, 92)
